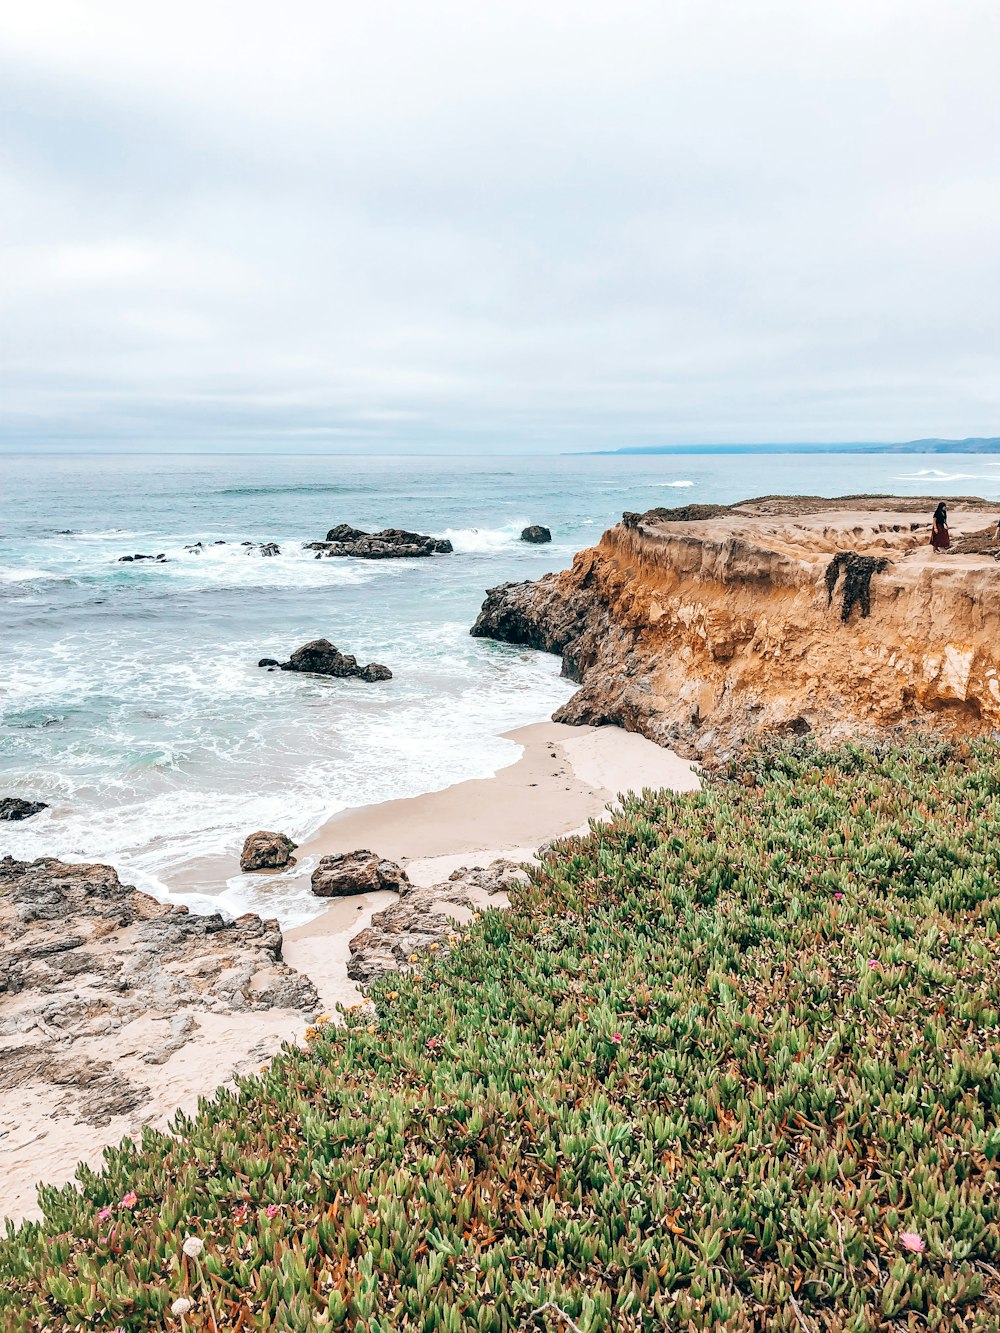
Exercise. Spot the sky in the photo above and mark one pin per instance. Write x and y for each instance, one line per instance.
(429, 225)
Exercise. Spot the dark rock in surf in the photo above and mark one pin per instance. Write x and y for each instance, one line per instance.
(362, 871)
(267, 851)
(268, 662)
(536, 534)
(322, 658)
(389, 544)
(343, 532)
(375, 671)
(15, 807)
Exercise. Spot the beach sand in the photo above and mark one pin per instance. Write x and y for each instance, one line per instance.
(565, 777)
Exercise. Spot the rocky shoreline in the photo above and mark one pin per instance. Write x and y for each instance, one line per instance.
(705, 627)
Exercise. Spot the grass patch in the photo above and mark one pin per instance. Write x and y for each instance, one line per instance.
(730, 1063)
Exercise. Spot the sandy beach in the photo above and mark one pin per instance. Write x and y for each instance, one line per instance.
(564, 777)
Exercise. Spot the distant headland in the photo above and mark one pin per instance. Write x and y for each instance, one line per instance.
(974, 445)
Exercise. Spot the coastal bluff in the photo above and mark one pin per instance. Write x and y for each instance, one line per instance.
(707, 626)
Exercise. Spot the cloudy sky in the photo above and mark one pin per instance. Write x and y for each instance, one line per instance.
(468, 225)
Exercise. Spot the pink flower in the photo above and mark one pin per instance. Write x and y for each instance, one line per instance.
(104, 1214)
(130, 1200)
(912, 1241)
(838, 896)
(616, 1037)
(273, 1209)
(240, 1213)
(433, 1043)
(873, 962)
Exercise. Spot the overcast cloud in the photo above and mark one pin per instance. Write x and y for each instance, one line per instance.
(494, 225)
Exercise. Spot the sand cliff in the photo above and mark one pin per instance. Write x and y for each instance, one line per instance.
(703, 627)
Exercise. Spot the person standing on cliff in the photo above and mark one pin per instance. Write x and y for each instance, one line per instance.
(940, 537)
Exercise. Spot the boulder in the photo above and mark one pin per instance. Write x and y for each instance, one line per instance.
(322, 658)
(15, 807)
(375, 671)
(536, 534)
(268, 662)
(357, 872)
(270, 548)
(267, 851)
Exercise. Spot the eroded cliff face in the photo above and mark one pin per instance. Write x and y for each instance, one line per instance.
(704, 632)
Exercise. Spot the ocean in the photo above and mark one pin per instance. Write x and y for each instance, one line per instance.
(130, 697)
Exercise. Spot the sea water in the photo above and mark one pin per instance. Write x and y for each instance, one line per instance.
(130, 696)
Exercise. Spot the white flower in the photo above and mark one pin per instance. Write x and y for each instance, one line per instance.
(181, 1306)
(193, 1247)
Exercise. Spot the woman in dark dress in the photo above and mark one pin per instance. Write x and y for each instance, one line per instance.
(940, 538)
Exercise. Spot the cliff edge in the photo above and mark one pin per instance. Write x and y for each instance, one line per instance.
(706, 626)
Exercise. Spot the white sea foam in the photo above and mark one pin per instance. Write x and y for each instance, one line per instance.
(471, 540)
(23, 574)
(935, 474)
(673, 483)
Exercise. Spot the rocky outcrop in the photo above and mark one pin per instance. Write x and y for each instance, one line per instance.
(16, 807)
(389, 544)
(267, 851)
(160, 559)
(427, 919)
(536, 534)
(705, 627)
(347, 873)
(83, 956)
(322, 658)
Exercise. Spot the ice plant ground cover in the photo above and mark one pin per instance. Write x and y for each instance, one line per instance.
(729, 1062)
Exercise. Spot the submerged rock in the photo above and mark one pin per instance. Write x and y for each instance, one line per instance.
(322, 658)
(362, 871)
(267, 851)
(536, 534)
(15, 807)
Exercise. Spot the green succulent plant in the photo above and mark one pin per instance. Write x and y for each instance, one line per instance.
(729, 1062)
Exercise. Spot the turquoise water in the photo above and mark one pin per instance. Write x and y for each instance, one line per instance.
(130, 698)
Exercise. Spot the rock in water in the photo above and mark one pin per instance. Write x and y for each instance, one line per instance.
(322, 658)
(14, 807)
(356, 872)
(536, 534)
(343, 532)
(375, 671)
(267, 851)
(389, 544)
(268, 662)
